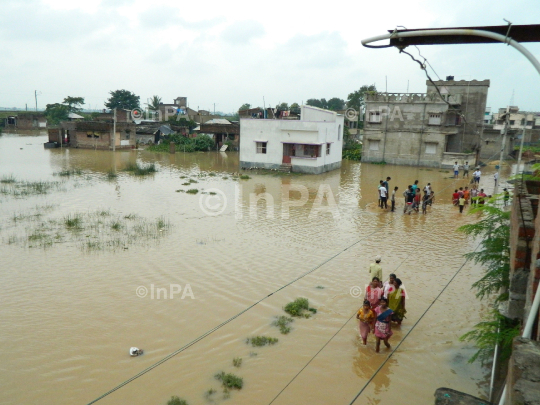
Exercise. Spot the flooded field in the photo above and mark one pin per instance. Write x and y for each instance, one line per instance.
(96, 259)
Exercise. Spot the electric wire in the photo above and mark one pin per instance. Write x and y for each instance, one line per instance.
(322, 348)
(410, 330)
(210, 331)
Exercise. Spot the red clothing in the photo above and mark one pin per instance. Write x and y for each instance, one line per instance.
(455, 198)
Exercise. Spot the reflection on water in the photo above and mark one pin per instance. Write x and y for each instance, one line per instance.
(68, 318)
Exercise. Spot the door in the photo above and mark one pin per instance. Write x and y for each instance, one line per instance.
(287, 152)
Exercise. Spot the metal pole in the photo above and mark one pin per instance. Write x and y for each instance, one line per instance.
(503, 144)
(114, 132)
(35, 96)
(521, 147)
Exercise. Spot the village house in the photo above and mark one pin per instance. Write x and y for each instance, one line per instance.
(426, 129)
(97, 134)
(223, 132)
(312, 144)
(180, 109)
(26, 120)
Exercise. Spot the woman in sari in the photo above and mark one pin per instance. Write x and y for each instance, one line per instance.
(383, 329)
(374, 292)
(365, 317)
(396, 302)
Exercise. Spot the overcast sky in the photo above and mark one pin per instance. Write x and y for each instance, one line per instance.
(235, 52)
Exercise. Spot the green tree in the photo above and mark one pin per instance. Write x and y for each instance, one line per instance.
(182, 122)
(123, 99)
(245, 106)
(74, 103)
(56, 113)
(154, 103)
(315, 102)
(283, 107)
(294, 105)
(356, 99)
(336, 104)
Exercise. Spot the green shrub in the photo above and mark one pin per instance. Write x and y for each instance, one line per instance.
(237, 361)
(282, 322)
(261, 341)
(176, 401)
(230, 380)
(297, 307)
(192, 191)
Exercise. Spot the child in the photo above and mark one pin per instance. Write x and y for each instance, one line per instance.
(461, 204)
(365, 316)
(506, 197)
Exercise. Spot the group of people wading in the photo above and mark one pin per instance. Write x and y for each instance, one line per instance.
(414, 200)
(384, 303)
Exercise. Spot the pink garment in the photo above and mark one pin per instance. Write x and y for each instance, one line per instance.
(383, 330)
(373, 295)
(363, 329)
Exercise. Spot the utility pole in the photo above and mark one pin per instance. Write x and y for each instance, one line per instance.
(35, 96)
(521, 147)
(503, 144)
(214, 108)
(114, 131)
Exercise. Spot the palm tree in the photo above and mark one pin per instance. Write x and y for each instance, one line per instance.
(154, 103)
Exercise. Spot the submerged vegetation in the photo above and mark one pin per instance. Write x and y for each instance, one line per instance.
(97, 231)
(175, 400)
(229, 380)
(237, 362)
(69, 172)
(140, 170)
(299, 307)
(282, 322)
(494, 255)
(258, 341)
(15, 188)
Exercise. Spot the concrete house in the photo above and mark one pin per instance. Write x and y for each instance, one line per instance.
(312, 144)
(426, 129)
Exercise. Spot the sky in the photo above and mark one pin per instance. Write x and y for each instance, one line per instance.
(221, 55)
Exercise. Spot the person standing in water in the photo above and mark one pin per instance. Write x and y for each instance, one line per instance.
(466, 170)
(365, 317)
(383, 330)
(456, 170)
(375, 269)
(394, 198)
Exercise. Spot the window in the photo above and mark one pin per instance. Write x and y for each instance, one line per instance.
(434, 119)
(311, 150)
(374, 145)
(328, 148)
(529, 123)
(231, 137)
(431, 148)
(512, 122)
(261, 147)
(374, 116)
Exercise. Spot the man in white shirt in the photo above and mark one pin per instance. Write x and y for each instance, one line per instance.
(456, 170)
(496, 177)
(383, 192)
(477, 175)
(375, 269)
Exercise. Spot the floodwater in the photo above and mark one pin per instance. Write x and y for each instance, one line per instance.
(71, 308)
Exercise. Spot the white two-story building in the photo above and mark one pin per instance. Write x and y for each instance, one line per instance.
(311, 144)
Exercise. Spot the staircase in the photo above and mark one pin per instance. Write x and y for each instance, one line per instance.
(285, 168)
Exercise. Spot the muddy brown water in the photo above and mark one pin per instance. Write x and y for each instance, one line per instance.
(68, 316)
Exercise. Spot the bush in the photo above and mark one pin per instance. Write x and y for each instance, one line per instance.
(230, 380)
(297, 307)
(261, 341)
(282, 322)
(176, 401)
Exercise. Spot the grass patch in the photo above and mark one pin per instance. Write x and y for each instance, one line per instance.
(282, 322)
(320, 287)
(229, 380)
(111, 174)
(68, 172)
(116, 226)
(176, 401)
(180, 191)
(73, 222)
(192, 191)
(186, 184)
(8, 179)
(140, 170)
(27, 188)
(244, 177)
(237, 362)
(259, 341)
(225, 178)
(299, 307)
(208, 394)
(193, 181)
(212, 174)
